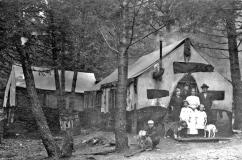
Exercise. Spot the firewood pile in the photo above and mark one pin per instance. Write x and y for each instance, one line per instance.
(100, 138)
(96, 143)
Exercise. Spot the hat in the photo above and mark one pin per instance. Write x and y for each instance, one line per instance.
(150, 122)
(204, 86)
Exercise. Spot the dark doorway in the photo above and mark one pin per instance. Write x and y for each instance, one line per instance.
(187, 79)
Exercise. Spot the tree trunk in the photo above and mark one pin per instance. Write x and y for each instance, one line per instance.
(73, 88)
(59, 78)
(51, 147)
(58, 88)
(56, 62)
(235, 72)
(120, 115)
(63, 87)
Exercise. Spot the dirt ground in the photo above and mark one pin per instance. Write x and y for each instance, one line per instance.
(24, 149)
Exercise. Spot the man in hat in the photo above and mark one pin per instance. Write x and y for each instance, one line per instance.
(207, 100)
(153, 138)
(186, 91)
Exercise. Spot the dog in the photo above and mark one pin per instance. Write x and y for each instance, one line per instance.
(142, 139)
(211, 129)
(176, 127)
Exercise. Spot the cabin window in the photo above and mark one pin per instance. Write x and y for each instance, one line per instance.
(112, 94)
(51, 101)
(98, 99)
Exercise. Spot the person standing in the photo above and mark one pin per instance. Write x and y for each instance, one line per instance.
(194, 102)
(186, 91)
(201, 120)
(184, 116)
(175, 107)
(207, 100)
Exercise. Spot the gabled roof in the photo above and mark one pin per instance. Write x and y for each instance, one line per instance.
(141, 65)
(46, 81)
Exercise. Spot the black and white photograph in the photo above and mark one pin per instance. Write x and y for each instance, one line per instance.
(120, 79)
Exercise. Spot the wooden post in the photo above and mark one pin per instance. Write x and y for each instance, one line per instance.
(134, 120)
(160, 63)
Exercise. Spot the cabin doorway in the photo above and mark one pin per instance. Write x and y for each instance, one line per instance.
(187, 80)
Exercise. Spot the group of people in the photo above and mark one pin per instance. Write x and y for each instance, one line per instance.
(193, 108)
(187, 106)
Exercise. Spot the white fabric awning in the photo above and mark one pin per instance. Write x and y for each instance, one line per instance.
(45, 81)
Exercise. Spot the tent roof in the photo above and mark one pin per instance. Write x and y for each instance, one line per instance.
(46, 81)
(141, 65)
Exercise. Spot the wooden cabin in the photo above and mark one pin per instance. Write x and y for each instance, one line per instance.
(17, 105)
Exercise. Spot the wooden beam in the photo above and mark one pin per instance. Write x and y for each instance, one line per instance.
(134, 120)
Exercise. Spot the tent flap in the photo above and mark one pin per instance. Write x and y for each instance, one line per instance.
(7, 91)
(183, 67)
(13, 88)
(45, 81)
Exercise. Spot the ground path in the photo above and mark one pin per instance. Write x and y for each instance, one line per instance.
(173, 150)
(169, 149)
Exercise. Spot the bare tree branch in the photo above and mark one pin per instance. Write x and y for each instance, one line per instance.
(132, 30)
(208, 34)
(141, 4)
(106, 40)
(239, 43)
(223, 54)
(215, 57)
(213, 48)
(147, 35)
(217, 41)
(111, 33)
(135, 13)
(152, 26)
(239, 34)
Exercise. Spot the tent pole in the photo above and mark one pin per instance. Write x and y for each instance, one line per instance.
(160, 55)
(160, 62)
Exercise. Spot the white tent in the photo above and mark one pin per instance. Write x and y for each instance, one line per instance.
(142, 70)
(45, 81)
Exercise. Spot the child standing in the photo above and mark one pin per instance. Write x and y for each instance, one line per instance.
(184, 116)
(201, 120)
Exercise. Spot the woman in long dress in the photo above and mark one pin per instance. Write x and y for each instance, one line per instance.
(194, 102)
(176, 104)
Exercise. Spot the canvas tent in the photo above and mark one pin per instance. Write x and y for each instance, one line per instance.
(45, 81)
(45, 85)
(140, 75)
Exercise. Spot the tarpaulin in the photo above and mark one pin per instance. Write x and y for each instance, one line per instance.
(183, 67)
(7, 91)
(140, 66)
(217, 95)
(44, 81)
(13, 88)
(156, 93)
